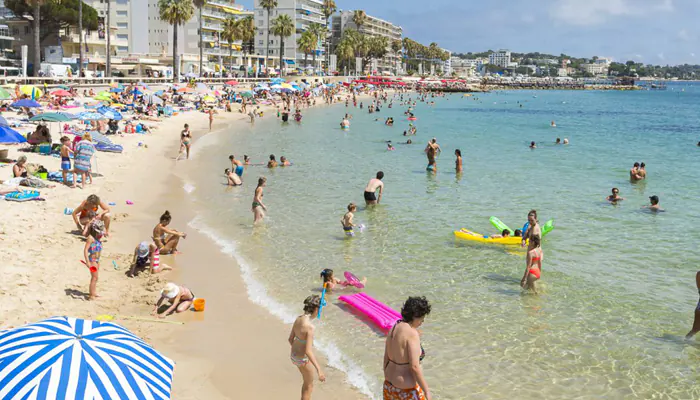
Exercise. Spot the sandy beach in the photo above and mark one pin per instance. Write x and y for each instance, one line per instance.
(235, 349)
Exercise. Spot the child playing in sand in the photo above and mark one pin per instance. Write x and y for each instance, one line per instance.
(346, 221)
(146, 253)
(330, 282)
(179, 297)
(92, 252)
(66, 152)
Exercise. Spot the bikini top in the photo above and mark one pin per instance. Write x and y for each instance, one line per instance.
(391, 334)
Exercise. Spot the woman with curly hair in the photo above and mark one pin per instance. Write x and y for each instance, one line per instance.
(301, 339)
(403, 374)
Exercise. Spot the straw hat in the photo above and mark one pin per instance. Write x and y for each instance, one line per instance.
(170, 290)
(143, 249)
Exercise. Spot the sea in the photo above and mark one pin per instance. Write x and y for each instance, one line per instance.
(617, 292)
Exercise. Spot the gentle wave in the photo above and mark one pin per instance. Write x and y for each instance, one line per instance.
(257, 293)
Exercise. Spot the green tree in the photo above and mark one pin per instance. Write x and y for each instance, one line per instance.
(199, 4)
(268, 5)
(396, 46)
(230, 34)
(318, 31)
(50, 16)
(176, 13)
(282, 26)
(246, 30)
(359, 17)
(307, 44)
(328, 9)
(376, 48)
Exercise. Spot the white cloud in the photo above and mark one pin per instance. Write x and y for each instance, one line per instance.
(593, 12)
(661, 56)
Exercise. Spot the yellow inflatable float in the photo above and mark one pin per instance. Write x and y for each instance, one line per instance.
(477, 237)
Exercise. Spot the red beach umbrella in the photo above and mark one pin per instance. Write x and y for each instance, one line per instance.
(61, 93)
(232, 83)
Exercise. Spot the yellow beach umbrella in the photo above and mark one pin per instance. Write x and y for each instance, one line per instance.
(118, 105)
(31, 91)
(286, 86)
(209, 98)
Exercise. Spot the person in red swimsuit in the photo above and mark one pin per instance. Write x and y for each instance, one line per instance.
(533, 269)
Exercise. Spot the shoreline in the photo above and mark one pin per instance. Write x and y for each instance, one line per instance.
(204, 349)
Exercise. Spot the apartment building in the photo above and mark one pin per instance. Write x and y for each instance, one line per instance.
(373, 26)
(303, 13)
(500, 58)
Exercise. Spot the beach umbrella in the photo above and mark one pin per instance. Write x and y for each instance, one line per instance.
(90, 116)
(64, 87)
(100, 138)
(137, 92)
(4, 94)
(116, 85)
(70, 358)
(103, 96)
(30, 91)
(25, 103)
(110, 113)
(201, 88)
(231, 83)
(51, 117)
(185, 90)
(143, 85)
(9, 135)
(207, 99)
(61, 93)
(287, 86)
(116, 90)
(158, 93)
(156, 100)
(3, 121)
(246, 94)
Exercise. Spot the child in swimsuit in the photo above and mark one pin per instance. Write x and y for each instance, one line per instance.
(346, 221)
(92, 252)
(330, 282)
(533, 269)
(66, 152)
(180, 298)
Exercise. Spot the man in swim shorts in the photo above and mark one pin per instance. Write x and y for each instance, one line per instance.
(236, 165)
(431, 150)
(371, 189)
(634, 173)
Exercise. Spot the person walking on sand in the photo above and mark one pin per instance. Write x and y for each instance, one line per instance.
(301, 340)
(371, 189)
(258, 207)
(185, 142)
(696, 321)
(83, 154)
(403, 353)
(211, 117)
(166, 239)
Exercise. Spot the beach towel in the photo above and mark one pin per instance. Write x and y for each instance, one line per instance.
(58, 177)
(83, 153)
(110, 148)
(22, 196)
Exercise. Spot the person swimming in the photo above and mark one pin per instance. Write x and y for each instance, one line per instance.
(558, 141)
(533, 145)
(615, 196)
(330, 282)
(389, 147)
(553, 125)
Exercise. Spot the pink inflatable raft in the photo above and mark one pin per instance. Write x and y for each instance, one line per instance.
(384, 316)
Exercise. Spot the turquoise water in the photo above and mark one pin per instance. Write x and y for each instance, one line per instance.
(618, 286)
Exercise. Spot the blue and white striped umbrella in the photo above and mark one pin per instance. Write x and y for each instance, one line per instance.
(68, 358)
(90, 116)
(110, 113)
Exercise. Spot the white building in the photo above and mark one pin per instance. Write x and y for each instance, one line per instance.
(303, 13)
(500, 58)
(447, 65)
(373, 26)
(595, 68)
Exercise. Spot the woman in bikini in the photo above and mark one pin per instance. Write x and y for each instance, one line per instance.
(301, 339)
(166, 239)
(88, 211)
(185, 142)
(533, 265)
(458, 160)
(179, 297)
(403, 374)
(258, 206)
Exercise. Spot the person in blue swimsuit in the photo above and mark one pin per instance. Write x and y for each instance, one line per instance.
(236, 165)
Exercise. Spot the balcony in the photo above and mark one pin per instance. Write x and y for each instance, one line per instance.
(317, 20)
(310, 9)
(93, 38)
(212, 13)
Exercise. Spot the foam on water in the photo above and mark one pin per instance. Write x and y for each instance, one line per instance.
(259, 295)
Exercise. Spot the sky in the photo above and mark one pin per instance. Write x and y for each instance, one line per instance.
(656, 32)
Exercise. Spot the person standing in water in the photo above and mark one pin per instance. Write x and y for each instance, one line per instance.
(642, 171)
(301, 340)
(634, 173)
(236, 165)
(533, 265)
(696, 322)
(258, 207)
(458, 161)
(371, 189)
(431, 150)
(533, 230)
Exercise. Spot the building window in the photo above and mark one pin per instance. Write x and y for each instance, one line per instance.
(26, 30)
(260, 22)
(261, 42)
(260, 13)
(123, 36)
(122, 25)
(122, 13)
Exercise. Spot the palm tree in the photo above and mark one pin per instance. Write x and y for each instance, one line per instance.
(318, 31)
(200, 5)
(282, 26)
(328, 8)
(231, 34)
(108, 33)
(36, 26)
(307, 44)
(359, 17)
(268, 5)
(246, 32)
(176, 13)
(396, 46)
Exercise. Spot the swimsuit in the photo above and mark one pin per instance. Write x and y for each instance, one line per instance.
(536, 270)
(65, 163)
(239, 170)
(94, 252)
(349, 230)
(390, 391)
(299, 362)
(370, 196)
